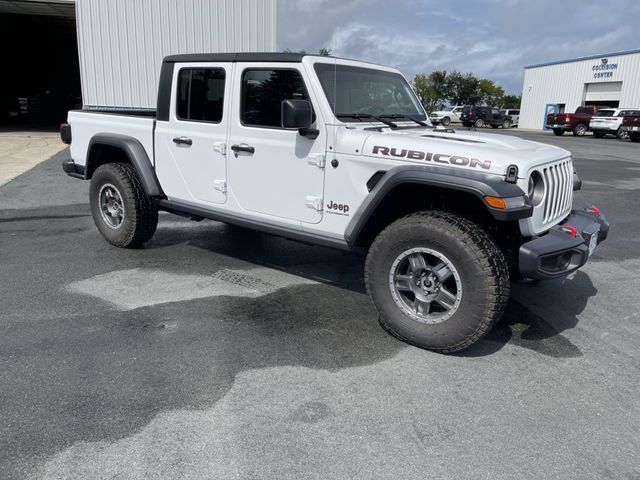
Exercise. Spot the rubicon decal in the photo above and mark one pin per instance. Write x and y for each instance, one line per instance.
(431, 157)
(337, 208)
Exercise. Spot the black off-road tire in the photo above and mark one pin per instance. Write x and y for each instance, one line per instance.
(559, 132)
(140, 217)
(483, 272)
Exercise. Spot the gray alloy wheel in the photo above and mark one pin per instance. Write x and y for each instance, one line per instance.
(446, 121)
(479, 123)
(111, 206)
(425, 285)
(580, 130)
(506, 124)
(622, 134)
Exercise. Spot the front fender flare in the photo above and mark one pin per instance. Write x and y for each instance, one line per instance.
(479, 184)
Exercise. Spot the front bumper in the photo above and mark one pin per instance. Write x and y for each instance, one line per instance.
(559, 252)
(73, 170)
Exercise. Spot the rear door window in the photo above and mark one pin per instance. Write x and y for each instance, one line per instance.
(201, 94)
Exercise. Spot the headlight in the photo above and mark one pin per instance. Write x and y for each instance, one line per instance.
(536, 188)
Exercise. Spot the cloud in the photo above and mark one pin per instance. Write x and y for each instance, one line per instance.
(490, 38)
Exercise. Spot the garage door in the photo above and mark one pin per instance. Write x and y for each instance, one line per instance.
(603, 91)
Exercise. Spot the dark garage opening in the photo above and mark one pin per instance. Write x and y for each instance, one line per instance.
(41, 77)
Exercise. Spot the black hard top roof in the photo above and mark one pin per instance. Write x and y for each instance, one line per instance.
(237, 57)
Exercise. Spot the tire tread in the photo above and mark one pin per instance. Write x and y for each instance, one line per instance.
(477, 240)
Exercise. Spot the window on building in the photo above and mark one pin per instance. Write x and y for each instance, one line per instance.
(201, 94)
(263, 92)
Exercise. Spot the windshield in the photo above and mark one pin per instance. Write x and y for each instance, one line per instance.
(605, 113)
(357, 90)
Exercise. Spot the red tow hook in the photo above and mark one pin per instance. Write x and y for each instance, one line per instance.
(570, 230)
(595, 210)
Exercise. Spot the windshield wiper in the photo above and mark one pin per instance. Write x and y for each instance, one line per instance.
(397, 116)
(367, 115)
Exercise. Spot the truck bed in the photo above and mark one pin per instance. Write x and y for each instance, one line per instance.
(85, 124)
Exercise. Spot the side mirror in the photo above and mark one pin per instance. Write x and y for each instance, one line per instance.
(296, 114)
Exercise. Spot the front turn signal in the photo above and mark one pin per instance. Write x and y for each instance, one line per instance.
(495, 202)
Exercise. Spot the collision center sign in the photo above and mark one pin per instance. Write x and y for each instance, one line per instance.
(604, 69)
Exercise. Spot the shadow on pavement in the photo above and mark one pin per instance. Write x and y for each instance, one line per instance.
(539, 332)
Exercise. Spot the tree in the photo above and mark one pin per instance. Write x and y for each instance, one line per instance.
(491, 93)
(325, 52)
(463, 89)
(431, 89)
(511, 101)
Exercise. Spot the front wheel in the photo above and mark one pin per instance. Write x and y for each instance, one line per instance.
(446, 121)
(122, 211)
(506, 124)
(437, 280)
(622, 134)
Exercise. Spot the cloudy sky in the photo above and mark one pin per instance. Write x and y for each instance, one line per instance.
(491, 38)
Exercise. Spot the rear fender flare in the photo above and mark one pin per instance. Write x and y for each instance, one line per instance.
(135, 152)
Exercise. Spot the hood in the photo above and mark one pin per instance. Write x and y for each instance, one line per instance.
(490, 153)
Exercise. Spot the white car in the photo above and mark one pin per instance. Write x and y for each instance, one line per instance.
(445, 117)
(513, 114)
(609, 121)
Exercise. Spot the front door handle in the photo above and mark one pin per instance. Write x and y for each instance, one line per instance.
(183, 141)
(243, 147)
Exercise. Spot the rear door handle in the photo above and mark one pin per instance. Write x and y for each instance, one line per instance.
(183, 141)
(243, 147)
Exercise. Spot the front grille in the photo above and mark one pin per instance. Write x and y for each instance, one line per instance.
(558, 179)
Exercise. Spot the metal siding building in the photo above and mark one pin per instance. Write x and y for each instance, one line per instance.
(611, 79)
(122, 42)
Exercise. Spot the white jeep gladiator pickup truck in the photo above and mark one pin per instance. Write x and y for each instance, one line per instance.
(340, 153)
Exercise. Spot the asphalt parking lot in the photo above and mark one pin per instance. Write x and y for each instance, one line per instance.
(216, 352)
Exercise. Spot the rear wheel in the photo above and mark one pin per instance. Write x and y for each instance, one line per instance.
(437, 280)
(622, 134)
(479, 123)
(122, 211)
(559, 132)
(579, 130)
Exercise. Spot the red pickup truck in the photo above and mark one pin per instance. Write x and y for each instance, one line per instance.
(631, 123)
(578, 122)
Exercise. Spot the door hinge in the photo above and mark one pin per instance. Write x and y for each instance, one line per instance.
(315, 203)
(317, 160)
(220, 185)
(220, 147)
